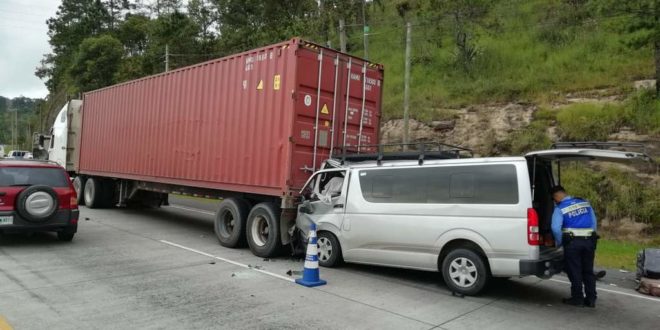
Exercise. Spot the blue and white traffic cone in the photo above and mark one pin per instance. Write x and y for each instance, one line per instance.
(311, 269)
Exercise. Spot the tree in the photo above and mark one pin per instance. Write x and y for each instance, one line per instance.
(96, 63)
(246, 24)
(205, 17)
(74, 21)
(464, 17)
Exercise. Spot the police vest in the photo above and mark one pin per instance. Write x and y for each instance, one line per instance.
(576, 213)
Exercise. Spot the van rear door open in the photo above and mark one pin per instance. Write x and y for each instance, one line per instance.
(579, 154)
(541, 173)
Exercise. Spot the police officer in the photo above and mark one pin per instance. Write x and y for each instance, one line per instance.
(574, 227)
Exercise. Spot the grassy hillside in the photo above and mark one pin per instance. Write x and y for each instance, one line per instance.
(525, 50)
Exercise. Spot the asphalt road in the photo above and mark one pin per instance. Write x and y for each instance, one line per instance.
(163, 268)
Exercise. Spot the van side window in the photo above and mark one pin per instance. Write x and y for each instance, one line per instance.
(462, 185)
(478, 184)
(381, 186)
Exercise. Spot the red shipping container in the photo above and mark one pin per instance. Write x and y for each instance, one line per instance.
(243, 123)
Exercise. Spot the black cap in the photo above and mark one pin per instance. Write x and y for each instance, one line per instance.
(557, 189)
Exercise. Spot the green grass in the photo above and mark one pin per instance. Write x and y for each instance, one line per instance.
(618, 254)
(516, 59)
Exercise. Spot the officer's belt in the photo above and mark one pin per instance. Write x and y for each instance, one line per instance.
(580, 232)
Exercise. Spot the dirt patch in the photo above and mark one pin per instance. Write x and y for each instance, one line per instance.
(626, 230)
(480, 127)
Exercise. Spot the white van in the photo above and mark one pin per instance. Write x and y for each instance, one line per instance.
(469, 218)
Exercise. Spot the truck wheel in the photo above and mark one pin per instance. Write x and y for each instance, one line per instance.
(263, 230)
(79, 187)
(465, 271)
(230, 222)
(93, 193)
(329, 250)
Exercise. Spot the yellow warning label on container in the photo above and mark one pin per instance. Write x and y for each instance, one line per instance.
(325, 110)
(260, 86)
(276, 82)
(4, 325)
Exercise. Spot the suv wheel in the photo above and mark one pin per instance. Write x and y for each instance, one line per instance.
(37, 203)
(465, 271)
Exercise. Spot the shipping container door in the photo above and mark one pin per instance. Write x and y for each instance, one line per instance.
(334, 92)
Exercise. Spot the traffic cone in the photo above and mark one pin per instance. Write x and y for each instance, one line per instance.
(311, 268)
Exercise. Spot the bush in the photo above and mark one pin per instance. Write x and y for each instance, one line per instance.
(614, 194)
(530, 138)
(589, 122)
(643, 112)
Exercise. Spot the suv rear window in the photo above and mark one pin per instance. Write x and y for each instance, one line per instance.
(28, 176)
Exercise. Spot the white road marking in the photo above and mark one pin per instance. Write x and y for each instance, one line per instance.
(192, 209)
(228, 261)
(614, 291)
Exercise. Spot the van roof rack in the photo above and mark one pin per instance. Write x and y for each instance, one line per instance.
(598, 145)
(401, 151)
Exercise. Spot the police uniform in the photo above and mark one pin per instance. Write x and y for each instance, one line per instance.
(574, 227)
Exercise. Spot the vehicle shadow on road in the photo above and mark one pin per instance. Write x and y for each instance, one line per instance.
(515, 290)
(29, 239)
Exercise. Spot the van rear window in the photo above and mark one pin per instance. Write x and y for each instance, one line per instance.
(478, 184)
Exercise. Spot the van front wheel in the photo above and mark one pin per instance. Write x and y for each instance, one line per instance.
(465, 272)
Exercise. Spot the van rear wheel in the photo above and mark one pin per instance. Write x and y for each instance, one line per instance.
(465, 271)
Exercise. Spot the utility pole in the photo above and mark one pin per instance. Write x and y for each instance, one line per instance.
(406, 86)
(365, 29)
(167, 57)
(342, 35)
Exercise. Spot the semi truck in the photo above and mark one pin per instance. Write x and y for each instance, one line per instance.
(249, 129)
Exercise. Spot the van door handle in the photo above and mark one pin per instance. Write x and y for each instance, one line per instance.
(338, 206)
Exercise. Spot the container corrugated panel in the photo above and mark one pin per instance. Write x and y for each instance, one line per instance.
(242, 123)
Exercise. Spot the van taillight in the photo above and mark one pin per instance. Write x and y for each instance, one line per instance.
(533, 236)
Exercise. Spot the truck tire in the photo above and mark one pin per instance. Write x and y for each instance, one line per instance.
(230, 222)
(263, 230)
(79, 187)
(465, 271)
(329, 250)
(93, 193)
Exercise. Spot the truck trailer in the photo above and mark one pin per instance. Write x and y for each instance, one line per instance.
(249, 129)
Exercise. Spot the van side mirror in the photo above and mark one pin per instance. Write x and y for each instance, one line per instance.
(306, 207)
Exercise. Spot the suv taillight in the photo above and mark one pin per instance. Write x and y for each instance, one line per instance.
(73, 202)
(533, 236)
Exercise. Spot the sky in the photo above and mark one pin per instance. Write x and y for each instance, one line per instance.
(23, 41)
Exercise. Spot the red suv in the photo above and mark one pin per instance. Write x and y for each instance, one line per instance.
(37, 196)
